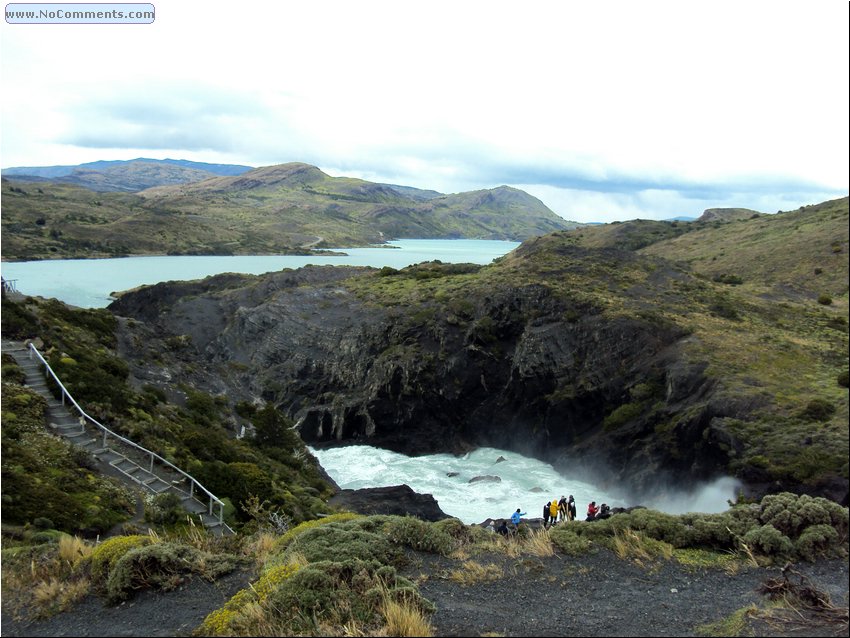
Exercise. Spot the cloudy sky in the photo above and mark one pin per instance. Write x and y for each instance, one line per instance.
(605, 111)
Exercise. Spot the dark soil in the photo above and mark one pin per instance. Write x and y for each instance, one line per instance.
(593, 595)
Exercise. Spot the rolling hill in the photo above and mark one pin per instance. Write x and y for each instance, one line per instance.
(269, 210)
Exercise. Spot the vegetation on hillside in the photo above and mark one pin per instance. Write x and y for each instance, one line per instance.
(272, 210)
(780, 350)
(197, 435)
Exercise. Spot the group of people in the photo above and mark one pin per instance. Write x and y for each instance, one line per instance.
(596, 513)
(554, 511)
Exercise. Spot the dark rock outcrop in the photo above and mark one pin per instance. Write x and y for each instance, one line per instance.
(399, 500)
(515, 366)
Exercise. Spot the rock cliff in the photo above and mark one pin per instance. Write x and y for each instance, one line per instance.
(512, 363)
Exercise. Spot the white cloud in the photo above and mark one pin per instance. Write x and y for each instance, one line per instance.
(628, 109)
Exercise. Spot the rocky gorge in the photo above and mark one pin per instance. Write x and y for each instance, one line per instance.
(573, 355)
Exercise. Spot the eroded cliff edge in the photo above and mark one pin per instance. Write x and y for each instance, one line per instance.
(574, 355)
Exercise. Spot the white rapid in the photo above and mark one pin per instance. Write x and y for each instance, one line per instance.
(525, 482)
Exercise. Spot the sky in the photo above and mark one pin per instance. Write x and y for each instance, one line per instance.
(605, 111)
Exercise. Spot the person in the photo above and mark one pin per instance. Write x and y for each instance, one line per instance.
(503, 528)
(546, 515)
(515, 518)
(562, 509)
(592, 511)
(604, 511)
(490, 527)
(553, 511)
(571, 505)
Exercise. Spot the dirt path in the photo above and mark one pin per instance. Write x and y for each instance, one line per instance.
(594, 595)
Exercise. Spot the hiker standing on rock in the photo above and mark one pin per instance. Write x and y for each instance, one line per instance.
(571, 506)
(553, 511)
(563, 512)
(546, 515)
(515, 519)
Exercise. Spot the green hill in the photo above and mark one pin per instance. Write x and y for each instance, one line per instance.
(269, 210)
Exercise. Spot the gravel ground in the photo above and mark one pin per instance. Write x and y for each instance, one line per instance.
(594, 595)
(601, 595)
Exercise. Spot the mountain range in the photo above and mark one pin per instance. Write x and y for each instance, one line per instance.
(269, 210)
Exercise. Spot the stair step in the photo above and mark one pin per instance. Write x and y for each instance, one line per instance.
(125, 465)
(109, 456)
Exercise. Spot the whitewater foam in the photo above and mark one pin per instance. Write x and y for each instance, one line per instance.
(524, 482)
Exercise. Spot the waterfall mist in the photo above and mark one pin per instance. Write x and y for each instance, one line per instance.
(523, 482)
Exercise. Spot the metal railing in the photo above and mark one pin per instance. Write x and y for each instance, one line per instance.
(193, 483)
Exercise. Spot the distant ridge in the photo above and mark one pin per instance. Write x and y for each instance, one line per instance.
(125, 176)
(282, 209)
(727, 214)
(53, 172)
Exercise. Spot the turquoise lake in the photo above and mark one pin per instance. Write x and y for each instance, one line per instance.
(89, 283)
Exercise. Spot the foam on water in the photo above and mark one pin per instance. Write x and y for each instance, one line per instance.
(359, 466)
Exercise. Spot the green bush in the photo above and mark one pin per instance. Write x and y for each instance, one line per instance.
(339, 592)
(825, 300)
(160, 566)
(458, 530)
(165, 509)
(343, 541)
(817, 410)
(568, 541)
(417, 534)
(293, 533)
(622, 415)
(42, 523)
(816, 541)
(769, 541)
(844, 379)
(110, 551)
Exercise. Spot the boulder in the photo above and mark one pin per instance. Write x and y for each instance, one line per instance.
(486, 478)
(399, 500)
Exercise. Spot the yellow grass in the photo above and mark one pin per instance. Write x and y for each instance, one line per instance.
(472, 572)
(405, 619)
(73, 549)
(629, 544)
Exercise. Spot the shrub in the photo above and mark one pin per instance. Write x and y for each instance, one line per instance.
(458, 530)
(817, 540)
(658, 525)
(732, 280)
(824, 300)
(110, 551)
(299, 529)
(844, 379)
(769, 541)
(342, 541)
(622, 415)
(160, 566)
(817, 410)
(42, 523)
(338, 593)
(417, 534)
(164, 509)
(567, 541)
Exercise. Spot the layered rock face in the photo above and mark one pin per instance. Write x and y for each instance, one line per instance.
(519, 368)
